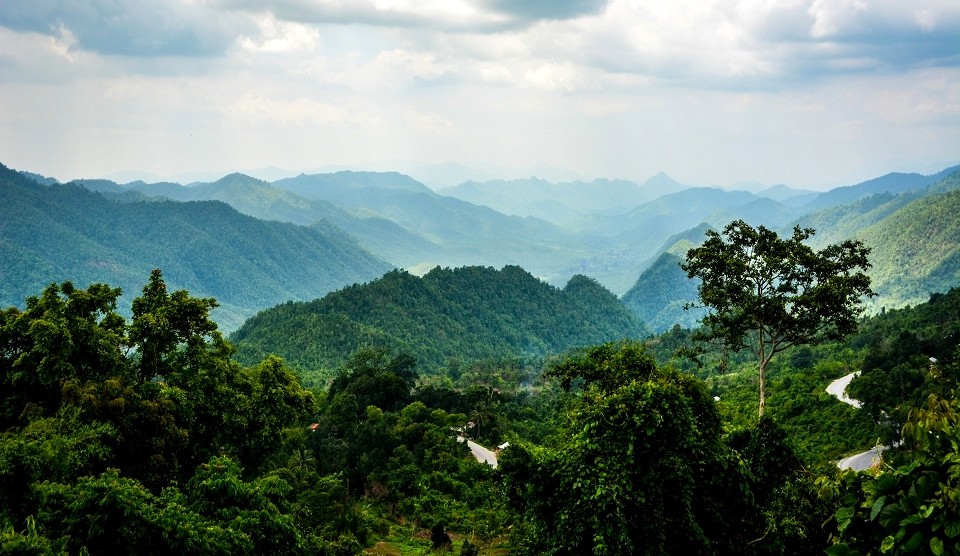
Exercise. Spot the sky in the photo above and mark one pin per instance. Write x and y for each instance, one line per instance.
(810, 93)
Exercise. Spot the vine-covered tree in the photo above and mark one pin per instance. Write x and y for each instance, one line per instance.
(641, 441)
(769, 294)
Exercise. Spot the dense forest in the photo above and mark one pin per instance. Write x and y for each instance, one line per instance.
(448, 315)
(349, 419)
(147, 435)
(68, 232)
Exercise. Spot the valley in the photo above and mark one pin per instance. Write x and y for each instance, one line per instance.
(329, 333)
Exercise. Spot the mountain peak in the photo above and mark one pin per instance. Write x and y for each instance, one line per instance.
(662, 184)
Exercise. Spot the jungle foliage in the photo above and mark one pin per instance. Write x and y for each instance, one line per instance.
(146, 435)
(466, 314)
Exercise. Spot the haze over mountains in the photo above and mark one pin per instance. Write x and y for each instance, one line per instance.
(300, 237)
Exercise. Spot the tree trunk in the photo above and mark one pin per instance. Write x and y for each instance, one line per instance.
(763, 386)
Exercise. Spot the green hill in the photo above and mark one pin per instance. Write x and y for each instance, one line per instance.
(385, 239)
(916, 249)
(463, 314)
(66, 232)
(661, 292)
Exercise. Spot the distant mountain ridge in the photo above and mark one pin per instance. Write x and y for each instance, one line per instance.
(564, 201)
(894, 183)
(66, 232)
(393, 216)
(589, 228)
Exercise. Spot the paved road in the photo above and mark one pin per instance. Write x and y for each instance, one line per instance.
(482, 454)
(838, 389)
(863, 460)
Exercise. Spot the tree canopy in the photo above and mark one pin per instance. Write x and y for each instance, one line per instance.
(770, 294)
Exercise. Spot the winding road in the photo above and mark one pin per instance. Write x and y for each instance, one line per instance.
(837, 388)
(482, 454)
(863, 460)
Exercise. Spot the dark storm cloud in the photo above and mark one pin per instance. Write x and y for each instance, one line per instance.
(124, 27)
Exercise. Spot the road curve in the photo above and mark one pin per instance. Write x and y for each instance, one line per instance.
(863, 460)
(838, 389)
(482, 454)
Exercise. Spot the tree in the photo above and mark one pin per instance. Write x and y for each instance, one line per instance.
(640, 441)
(65, 333)
(167, 327)
(911, 504)
(769, 294)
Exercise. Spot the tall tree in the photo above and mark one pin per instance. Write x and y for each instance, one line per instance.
(769, 294)
(640, 441)
(164, 322)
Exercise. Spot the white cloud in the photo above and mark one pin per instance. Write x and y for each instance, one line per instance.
(281, 36)
(553, 76)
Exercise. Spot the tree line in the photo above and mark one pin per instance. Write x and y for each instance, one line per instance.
(148, 436)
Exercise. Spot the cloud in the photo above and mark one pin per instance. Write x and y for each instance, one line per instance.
(541, 10)
(448, 15)
(280, 36)
(300, 111)
(127, 27)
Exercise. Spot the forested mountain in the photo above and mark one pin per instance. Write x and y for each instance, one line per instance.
(916, 250)
(894, 183)
(464, 314)
(383, 238)
(462, 233)
(914, 237)
(66, 232)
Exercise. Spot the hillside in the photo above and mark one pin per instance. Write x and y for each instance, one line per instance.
(660, 293)
(65, 232)
(894, 183)
(914, 237)
(916, 249)
(463, 314)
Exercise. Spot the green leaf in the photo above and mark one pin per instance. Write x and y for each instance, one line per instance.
(877, 506)
(936, 546)
(887, 544)
(952, 529)
(913, 542)
(841, 549)
(844, 515)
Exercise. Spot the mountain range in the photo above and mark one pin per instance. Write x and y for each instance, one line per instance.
(61, 232)
(300, 237)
